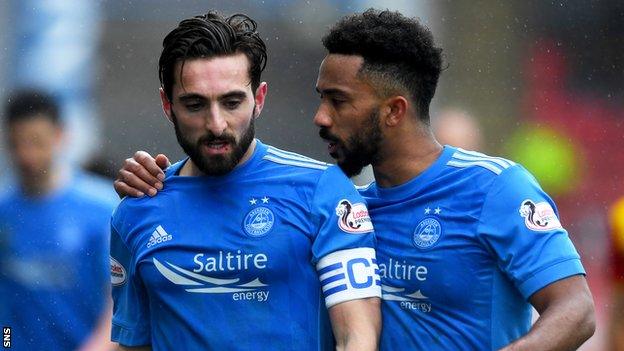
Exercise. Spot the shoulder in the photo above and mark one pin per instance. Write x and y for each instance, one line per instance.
(8, 195)
(135, 207)
(478, 164)
(367, 191)
(478, 170)
(296, 167)
(94, 191)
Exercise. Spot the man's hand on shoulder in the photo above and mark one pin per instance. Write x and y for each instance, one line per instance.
(142, 174)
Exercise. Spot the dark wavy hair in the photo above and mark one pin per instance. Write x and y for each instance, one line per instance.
(399, 53)
(29, 103)
(208, 36)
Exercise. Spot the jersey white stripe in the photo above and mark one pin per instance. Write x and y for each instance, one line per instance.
(292, 156)
(363, 187)
(294, 163)
(491, 158)
(464, 157)
(483, 164)
(273, 148)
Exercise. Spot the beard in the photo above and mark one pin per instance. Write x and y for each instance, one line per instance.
(217, 165)
(360, 149)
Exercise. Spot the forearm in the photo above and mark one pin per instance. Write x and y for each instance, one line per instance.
(356, 324)
(358, 340)
(560, 327)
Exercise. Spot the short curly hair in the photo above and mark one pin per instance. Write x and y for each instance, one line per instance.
(212, 35)
(399, 53)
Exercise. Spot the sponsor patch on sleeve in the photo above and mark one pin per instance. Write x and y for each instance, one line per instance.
(353, 218)
(118, 273)
(539, 216)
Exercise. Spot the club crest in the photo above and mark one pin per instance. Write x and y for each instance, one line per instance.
(259, 221)
(353, 218)
(427, 233)
(539, 216)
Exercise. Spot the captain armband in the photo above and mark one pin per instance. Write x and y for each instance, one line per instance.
(349, 275)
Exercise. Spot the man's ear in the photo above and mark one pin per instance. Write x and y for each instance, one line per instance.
(166, 104)
(396, 110)
(259, 97)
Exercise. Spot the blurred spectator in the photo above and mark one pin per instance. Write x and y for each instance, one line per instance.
(55, 48)
(53, 237)
(616, 220)
(457, 128)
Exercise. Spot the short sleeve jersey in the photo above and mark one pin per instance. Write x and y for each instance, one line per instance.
(250, 260)
(54, 263)
(461, 248)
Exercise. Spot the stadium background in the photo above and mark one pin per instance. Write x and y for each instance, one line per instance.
(543, 78)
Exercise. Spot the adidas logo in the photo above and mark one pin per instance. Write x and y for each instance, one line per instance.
(159, 236)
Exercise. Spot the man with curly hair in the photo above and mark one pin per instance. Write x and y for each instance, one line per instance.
(466, 243)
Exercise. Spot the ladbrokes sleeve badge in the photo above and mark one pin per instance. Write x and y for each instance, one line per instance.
(539, 216)
(118, 272)
(353, 218)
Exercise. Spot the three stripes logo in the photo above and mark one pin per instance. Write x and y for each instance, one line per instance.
(159, 236)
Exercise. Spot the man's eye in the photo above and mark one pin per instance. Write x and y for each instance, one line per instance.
(193, 107)
(337, 102)
(232, 104)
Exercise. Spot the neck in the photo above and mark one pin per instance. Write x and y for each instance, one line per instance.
(405, 155)
(191, 170)
(41, 184)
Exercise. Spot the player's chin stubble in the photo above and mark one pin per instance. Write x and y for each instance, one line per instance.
(221, 164)
(361, 149)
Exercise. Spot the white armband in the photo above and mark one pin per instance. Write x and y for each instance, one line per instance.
(349, 275)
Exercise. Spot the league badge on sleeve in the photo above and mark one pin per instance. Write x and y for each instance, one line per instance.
(118, 272)
(539, 216)
(353, 218)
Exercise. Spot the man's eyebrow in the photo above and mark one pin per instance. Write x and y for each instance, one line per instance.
(237, 94)
(331, 91)
(232, 94)
(187, 97)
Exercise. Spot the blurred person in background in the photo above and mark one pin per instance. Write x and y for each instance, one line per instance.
(53, 237)
(616, 224)
(458, 128)
(466, 242)
(44, 35)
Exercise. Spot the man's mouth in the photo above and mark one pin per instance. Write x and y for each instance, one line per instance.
(333, 148)
(215, 147)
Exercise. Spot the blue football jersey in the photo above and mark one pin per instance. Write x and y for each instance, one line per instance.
(460, 250)
(246, 261)
(54, 263)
